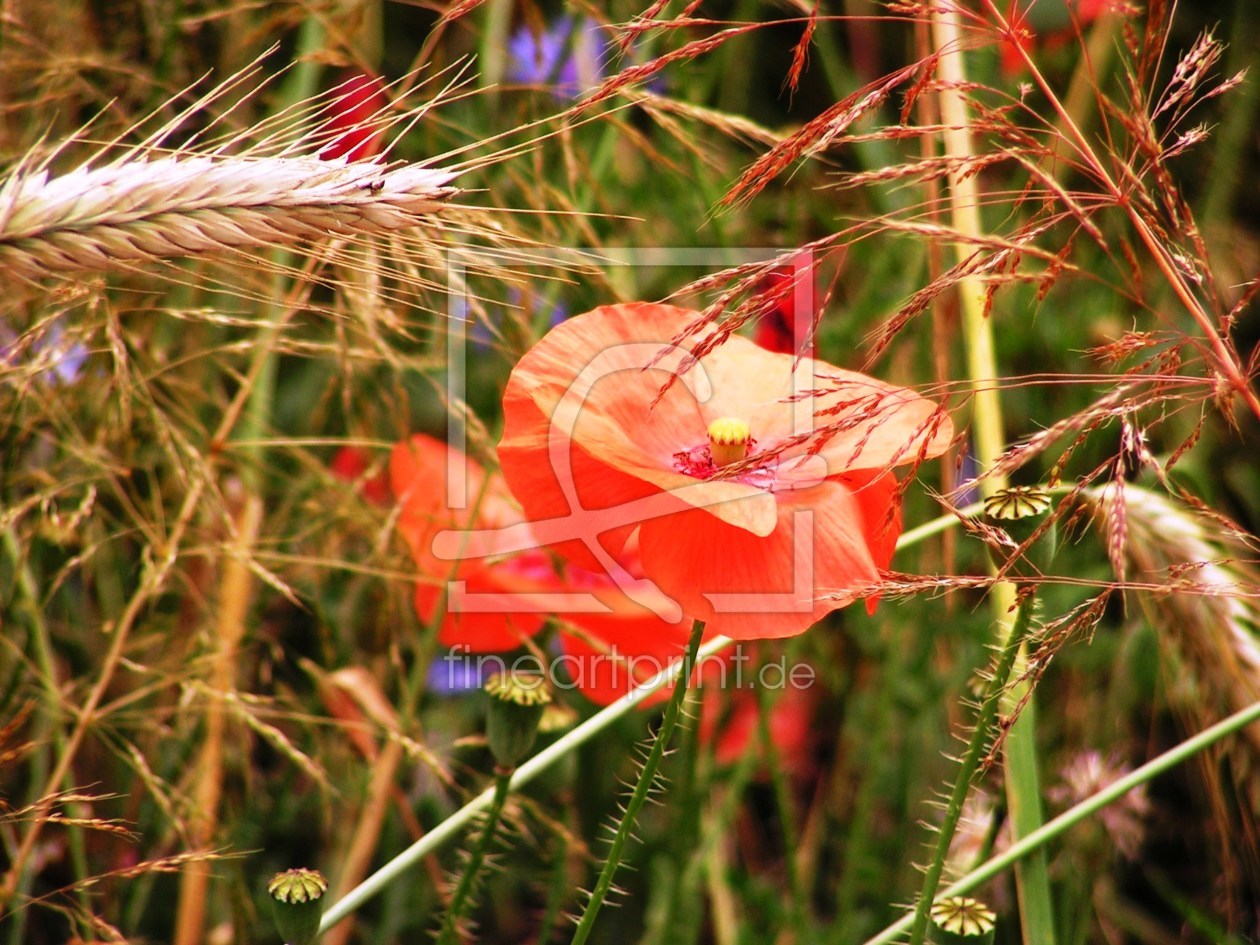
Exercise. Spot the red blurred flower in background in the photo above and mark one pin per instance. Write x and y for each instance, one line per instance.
(350, 463)
(419, 471)
(353, 125)
(607, 651)
(1048, 25)
(757, 510)
(790, 723)
(790, 297)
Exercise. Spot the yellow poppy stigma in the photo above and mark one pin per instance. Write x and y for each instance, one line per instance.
(729, 438)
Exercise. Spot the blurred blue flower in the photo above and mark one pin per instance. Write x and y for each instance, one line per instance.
(455, 673)
(484, 337)
(967, 490)
(53, 357)
(568, 56)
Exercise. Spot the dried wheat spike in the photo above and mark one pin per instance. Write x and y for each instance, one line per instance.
(144, 208)
(1202, 591)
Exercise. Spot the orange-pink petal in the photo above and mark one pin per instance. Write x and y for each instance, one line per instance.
(748, 587)
(599, 385)
(477, 631)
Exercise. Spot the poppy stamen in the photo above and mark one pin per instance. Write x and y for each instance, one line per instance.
(729, 439)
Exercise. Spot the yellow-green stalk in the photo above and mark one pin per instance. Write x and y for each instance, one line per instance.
(989, 438)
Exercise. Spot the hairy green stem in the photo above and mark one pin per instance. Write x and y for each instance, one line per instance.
(641, 790)
(1036, 840)
(451, 827)
(874, 718)
(557, 890)
(799, 902)
(678, 923)
(970, 763)
(462, 896)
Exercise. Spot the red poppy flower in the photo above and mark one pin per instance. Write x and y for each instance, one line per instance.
(350, 463)
(758, 507)
(790, 296)
(791, 724)
(353, 125)
(421, 469)
(1048, 25)
(610, 644)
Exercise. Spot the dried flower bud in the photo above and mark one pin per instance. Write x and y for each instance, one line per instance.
(1021, 511)
(961, 920)
(517, 703)
(296, 905)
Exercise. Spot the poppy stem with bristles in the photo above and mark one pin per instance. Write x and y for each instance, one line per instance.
(641, 790)
(462, 896)
(970, 762)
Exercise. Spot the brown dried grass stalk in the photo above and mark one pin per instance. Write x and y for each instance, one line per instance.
(138, 209)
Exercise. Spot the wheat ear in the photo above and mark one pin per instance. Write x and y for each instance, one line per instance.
(138, 209)
(1205, 605)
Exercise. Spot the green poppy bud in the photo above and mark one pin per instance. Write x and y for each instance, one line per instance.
(517, 703)
(961, 920)
(296, 905)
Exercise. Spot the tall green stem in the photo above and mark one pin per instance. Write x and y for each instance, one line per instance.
(468, 881)
(1022, 781)
(799, 903)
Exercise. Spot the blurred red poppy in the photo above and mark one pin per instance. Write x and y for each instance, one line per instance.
(353, 123)
(502, 599)
(420, 470)
(790, 298)
(790, 724)
(1047, 25)
(759, 486)
(350, 463)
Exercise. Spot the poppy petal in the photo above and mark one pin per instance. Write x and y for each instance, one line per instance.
(748, 587)
(605, 656)
(569, 490)
(490, 602)
(477, 632)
